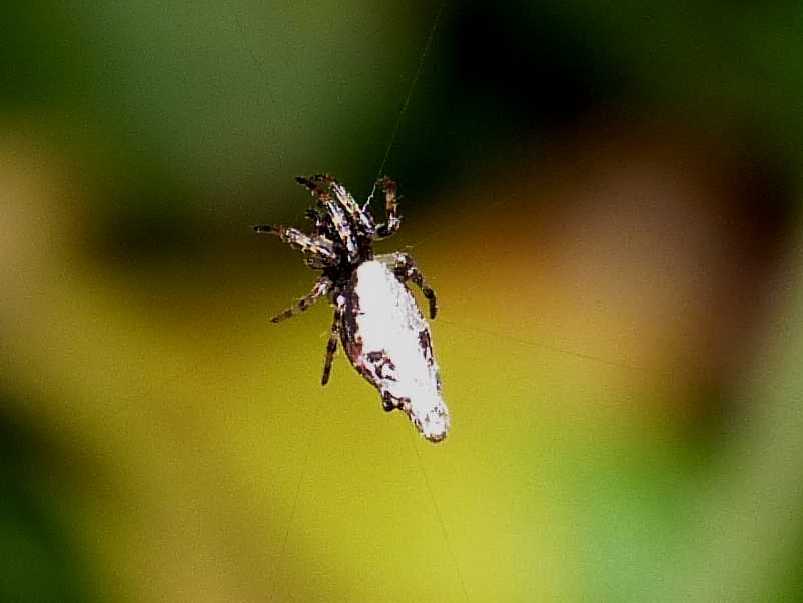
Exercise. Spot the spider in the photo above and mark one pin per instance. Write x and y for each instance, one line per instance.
(376, 317)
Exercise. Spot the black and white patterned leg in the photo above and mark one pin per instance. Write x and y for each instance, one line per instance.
(388, 187)
(321, 288)
(331, 345)
(405, 269)
(340, 221)
(319, 250)
(324, 184)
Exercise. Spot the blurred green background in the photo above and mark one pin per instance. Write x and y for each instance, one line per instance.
(605, 197)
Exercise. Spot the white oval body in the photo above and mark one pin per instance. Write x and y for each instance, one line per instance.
(389, 343)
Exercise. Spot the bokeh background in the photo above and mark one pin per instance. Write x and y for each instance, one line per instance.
(604, 195)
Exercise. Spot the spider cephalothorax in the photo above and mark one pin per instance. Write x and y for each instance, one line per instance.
(376, 316)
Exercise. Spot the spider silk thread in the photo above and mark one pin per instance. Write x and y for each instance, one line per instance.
(406, 104)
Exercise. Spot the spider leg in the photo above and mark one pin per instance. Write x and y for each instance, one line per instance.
(317, 221)
(317, 185)
(331, 345)
(319, 249)
(360, 218)
(321, 288)
(405, 268)
(336, 214)
(388, 187)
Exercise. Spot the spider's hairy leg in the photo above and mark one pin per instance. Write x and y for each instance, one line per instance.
(317, 221)
(361, 219)
(319, 249)
(336, 214)
(321, 288)
(331, 345)
(405, 268)
(388, 187)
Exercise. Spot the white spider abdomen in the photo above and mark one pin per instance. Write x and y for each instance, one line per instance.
(389, 343)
